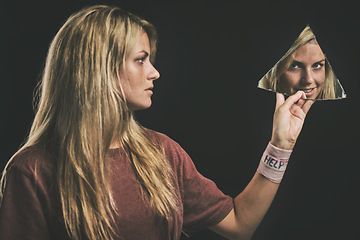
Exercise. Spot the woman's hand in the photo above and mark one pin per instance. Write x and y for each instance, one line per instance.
(251, 205)
(289, 118)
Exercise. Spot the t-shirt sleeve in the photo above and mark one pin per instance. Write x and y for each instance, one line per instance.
(204, 205)
(21, 212)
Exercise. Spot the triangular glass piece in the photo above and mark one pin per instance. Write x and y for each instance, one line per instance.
(304, 67)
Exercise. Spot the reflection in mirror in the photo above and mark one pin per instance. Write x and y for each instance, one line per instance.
(304, 67)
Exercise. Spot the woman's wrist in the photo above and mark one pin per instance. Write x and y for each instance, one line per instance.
(286, 145)
(273, 163)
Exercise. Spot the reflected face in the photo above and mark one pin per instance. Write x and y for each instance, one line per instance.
(137, 77)
(306, 72)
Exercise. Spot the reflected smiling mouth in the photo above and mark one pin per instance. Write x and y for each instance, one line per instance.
(308, 90)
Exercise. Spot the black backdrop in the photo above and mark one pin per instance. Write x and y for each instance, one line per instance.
(210, 57)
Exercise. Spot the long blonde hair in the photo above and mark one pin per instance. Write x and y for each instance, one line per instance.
(331, 88)
(82, 110)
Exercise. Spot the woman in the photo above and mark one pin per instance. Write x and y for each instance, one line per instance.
(304, 68)
(88, 170)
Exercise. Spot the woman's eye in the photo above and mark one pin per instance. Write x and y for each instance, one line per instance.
(294, 66)
(318, 65)
(140, 60)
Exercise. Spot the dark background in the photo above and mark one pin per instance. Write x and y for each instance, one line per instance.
(210, 57)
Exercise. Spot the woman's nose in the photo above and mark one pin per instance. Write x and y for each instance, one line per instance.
(307, 77)
(153, 73)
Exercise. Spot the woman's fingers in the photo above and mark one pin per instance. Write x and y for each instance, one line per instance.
(299, 98)
(280, 99)
(293, 99)
(298, 112)
(307, 105)
(289, 117)
(304, 103)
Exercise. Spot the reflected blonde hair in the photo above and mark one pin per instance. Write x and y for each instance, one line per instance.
(82, 110)
(272, 78)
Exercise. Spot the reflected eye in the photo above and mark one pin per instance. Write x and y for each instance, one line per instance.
(318, 65)
(294, 65)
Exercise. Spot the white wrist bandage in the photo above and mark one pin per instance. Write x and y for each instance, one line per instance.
(273, 163)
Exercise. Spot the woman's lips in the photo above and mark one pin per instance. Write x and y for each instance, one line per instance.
(308, 92)
(149, 90)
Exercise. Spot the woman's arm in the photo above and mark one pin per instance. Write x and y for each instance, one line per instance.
(251, 205)
(22, 214)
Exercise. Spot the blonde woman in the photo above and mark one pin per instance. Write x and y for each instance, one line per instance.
(88, 170)
(304, 68)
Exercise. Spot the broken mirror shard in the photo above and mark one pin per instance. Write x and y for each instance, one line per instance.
(304, 67)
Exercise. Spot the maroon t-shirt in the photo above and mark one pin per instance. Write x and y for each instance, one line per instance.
(31, 209)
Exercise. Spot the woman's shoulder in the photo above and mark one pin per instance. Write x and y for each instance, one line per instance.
(31, 160)
(173, 151)
(164, 140)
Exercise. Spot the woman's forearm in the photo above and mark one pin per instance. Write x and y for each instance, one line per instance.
(251, 205)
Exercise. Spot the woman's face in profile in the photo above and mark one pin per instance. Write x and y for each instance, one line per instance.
(306, 72)
(138, 76)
